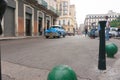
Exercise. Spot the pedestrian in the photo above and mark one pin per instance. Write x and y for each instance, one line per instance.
(86, 31)
(107, 29)
(3, 5)
(93, 36)
(93, 31)
(99, 28)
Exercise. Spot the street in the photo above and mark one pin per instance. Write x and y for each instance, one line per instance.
(78, 52)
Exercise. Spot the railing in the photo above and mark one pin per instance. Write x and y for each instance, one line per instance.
(43, 2)
(58, 12)
(54, 10)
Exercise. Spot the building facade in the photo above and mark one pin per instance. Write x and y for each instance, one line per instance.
(93, 19)
(28, 17)
(67, 15)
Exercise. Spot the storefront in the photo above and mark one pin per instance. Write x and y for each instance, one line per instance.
(26, 18)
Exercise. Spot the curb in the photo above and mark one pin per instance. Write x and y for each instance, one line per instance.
(15, 38)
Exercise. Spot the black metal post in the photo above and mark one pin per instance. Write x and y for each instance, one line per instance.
(3, 6)
(102, 57)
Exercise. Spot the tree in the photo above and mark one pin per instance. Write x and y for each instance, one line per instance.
(115, 23)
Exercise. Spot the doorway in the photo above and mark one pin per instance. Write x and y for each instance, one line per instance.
(48, 24)
(28, 25)
(40, 26)
(9, 23)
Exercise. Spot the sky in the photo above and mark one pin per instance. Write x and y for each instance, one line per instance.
(84, 7)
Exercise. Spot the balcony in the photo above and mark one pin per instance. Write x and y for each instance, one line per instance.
(58, 12)
(43, 3)
(54, 10)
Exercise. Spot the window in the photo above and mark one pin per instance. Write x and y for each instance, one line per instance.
(59, 22)
(65, 8)
(65, 3)
(68, 22)
(60, 6)
(68, 29)
(63, 22)
(70, 13)
(65, 12)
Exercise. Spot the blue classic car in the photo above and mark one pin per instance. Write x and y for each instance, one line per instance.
(55, 31)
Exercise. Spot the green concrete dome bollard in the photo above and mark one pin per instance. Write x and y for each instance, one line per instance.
(62, 72)
(111, 50)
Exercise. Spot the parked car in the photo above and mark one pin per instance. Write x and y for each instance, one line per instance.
(118, 31)
(70, 33)
(113, 32)
(93, 33)
(55, 31)
(96, 33)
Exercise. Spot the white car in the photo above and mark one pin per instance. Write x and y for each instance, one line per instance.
(113, 31)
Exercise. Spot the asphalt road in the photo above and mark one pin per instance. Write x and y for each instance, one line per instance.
(80, 53)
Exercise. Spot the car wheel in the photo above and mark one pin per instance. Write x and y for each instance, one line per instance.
(58, 36)
(54, 36)
(64, 36)
(47, 36)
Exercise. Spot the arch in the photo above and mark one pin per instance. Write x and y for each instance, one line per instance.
(48, 21)
(40, 25)
(32, 20)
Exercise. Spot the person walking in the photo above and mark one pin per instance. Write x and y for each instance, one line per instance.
(107, 29)
(86, 31)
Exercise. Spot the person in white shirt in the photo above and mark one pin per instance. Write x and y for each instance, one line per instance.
(107, 28)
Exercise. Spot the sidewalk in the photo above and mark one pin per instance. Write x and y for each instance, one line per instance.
(113, 73)
(11, 71)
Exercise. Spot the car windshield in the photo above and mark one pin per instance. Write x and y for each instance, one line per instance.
(56, 27)
(114, 29)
